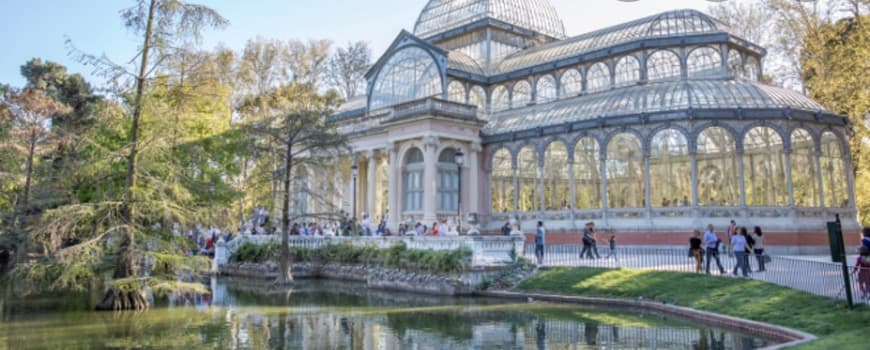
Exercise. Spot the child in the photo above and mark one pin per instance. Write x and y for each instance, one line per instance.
(862, 267)
(612, 243)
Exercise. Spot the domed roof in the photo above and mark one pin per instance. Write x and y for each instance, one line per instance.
(442, 15)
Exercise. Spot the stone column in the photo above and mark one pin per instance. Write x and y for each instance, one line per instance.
(474, 178)
(430, 179)
(819, 177)
(789, 183)
(693, 159)
(394, 191)
(371, 184)
(741, 177)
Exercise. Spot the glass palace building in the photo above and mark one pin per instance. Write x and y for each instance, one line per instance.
(650, 128)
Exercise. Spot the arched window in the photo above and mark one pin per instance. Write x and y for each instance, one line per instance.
(448, 181)
(546, 89)
(522, 94)
(587, 174)
(735, 63)
(597, 77)
(502, 182)
(412, 180)
(663, 65)
(477, 97)
(572, 83)
(557, 190)
(704, 62)
(527, 174)
(834, 179)
(625, 181)
(670, 169)
(500, 99)
(804, 176)
(718, 181)
(409, 74)
(752, 68)
(764, 168)
(456, 92)
(627, 71)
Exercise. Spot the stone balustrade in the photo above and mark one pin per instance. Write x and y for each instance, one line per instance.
(486, 250)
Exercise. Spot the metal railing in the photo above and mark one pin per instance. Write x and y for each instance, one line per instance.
(816, 277)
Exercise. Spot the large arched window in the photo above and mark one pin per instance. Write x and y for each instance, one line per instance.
(704, 62)
(670, 169)
(456, 92)
(546, 89)
(625, 182)
(572, 83)
(521, 95)
(502, 182)
(764, 168)
(735, 63)
(834, 179)
(663, 65)
(804, 176)
(412, 180)
(409, 74)
(752, 68)
(500, 99)
(587, 174)
(718, 183)
(627, 71)
(597, 77)
(527, 174)
(557, 189)
(477, 97)
(448, 181)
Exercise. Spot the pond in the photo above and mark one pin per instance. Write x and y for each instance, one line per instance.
(335, 315)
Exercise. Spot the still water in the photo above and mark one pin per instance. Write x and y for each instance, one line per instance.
(333, 315)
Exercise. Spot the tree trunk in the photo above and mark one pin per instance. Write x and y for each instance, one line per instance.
(21, 239)
(285, 276)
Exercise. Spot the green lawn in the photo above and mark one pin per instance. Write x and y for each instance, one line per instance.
(836, 326)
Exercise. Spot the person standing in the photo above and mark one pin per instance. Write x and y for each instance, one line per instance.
(695, 249)
(366, 225)
(865, 241)
(738, 249)
(612, 244)
(862, 268)
(506, 229)
(758, 247)
(587, 240)
(711, 243)
(539, 242)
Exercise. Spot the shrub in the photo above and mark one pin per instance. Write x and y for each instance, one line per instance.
(250, 252)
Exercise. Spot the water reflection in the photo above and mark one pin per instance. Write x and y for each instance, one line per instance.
(330, 315)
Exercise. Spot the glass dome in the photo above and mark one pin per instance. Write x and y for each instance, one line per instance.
(442, 15)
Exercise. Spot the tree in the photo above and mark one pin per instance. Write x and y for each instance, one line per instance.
(31, 112)
(347, 69)
(296, 123)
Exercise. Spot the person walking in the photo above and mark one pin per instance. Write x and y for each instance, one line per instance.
(711, 245)
(758, 247)
(589, 242)
(539, 242)
(695, 249)
(612, 243)
(738, 249)
(865, 241)
(750, 243)
(862, 268)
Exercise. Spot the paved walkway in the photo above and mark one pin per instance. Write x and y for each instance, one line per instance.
(813, 274)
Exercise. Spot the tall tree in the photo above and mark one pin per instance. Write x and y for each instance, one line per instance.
(347, 69)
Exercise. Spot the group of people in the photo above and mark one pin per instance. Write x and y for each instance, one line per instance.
(437, 229)
(741, 245)
(590, 242)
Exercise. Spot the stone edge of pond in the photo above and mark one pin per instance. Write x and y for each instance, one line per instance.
(787, 336)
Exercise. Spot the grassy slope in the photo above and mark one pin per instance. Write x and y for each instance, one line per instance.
(755, 300)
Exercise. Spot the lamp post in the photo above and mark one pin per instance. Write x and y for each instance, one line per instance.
(210, 201)
(459, 157)
(354, 170)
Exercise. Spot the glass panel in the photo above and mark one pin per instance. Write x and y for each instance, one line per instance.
(412, 180)
(752, 68)
(456, 92)
(443, 15)
(447, 180)
(735, 63)
(717, 168)
(597, 77)
(670, 170)
(502, 182)
(477, 97)
(557, 190)
(587, 174)
(572, 83)
(804, 177)
(500, 99)
(704, 62)
(834, 180)
(522, 94)
(409, 74)
(764, 168)
(663, 65)
(527, 173)
(546, 89)
(627, 71)
(625, 181)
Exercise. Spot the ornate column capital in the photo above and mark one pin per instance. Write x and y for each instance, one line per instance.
(476, 147)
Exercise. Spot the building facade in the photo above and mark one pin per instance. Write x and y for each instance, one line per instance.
(649, 128)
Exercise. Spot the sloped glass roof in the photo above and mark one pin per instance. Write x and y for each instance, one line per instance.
(651, 98)
(461, 61)
(443, 15)
(667, 24)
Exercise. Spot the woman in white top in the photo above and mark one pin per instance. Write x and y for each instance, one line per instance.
(758, 247)
(738, 249)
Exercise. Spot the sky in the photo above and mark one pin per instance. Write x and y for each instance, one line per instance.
(40, 28)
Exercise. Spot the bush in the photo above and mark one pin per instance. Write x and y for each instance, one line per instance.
(397, 256)
(255, 253)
